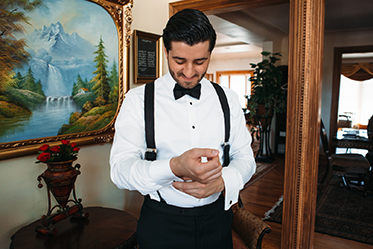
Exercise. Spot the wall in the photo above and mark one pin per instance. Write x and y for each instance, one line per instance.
(231, 64)
(22, 202)
(332, 40)
(151, 17)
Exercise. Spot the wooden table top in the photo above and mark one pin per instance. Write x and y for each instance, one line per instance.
(104, 228)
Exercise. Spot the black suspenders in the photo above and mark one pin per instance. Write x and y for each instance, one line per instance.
(151, 152)
(227, 121)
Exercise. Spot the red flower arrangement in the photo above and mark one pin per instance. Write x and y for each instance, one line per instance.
(60, 153)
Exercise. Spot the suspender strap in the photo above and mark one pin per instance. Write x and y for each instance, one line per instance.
(225, 106)
(227, 123)
(151, 153)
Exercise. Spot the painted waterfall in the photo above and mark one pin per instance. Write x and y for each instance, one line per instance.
(69, 83)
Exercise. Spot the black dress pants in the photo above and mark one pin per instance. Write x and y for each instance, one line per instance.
(168, 227)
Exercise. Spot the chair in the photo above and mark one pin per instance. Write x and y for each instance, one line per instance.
(349, 164)
(370, 128)
(247, 229)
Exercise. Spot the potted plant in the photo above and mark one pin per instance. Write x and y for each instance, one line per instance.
(268, 94)
(268, 97)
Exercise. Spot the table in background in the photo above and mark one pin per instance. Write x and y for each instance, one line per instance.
(105, 228)
(357, 139)
(349, 138)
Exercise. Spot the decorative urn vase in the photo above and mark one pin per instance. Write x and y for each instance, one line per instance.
(60, 177)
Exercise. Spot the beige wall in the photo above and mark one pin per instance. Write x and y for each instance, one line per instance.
(149, 16)
(22, 202)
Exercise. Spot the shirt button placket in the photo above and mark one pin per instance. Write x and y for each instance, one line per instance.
(192, 122)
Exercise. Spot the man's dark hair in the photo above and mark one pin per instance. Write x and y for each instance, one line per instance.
(189, 26)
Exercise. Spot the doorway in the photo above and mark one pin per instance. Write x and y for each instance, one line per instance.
(306, 24)
(337, 68)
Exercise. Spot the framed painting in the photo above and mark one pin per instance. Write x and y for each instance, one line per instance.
(146, 56)
(67, 75)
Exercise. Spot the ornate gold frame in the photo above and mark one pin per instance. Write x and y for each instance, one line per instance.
(121, 12)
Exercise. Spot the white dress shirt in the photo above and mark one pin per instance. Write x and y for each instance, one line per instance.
(180, 125)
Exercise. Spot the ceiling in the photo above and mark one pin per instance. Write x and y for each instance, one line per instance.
(235, 39)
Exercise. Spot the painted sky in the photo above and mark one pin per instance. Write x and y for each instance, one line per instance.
(88, 19)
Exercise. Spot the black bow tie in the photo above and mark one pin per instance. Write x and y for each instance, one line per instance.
(181, 91)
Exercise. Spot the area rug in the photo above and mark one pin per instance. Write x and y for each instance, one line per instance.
(261, 170)
(339, 212)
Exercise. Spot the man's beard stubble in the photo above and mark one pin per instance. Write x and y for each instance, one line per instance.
(176, 75)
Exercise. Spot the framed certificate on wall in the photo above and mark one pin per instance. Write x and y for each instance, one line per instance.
(146, 56)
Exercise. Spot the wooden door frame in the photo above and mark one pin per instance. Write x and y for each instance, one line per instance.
(337, 64)
(218, 73)
(306, 37)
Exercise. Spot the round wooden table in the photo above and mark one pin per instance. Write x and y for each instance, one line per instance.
(105, 228)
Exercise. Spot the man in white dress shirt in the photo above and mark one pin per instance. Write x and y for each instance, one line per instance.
(188, 194)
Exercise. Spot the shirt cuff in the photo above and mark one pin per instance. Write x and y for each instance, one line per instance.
(161, 172)
(233, 184)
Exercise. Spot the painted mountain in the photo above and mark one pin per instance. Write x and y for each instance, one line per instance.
(58, 58)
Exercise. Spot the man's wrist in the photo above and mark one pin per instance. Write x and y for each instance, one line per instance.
(173, 166)
(222, 185)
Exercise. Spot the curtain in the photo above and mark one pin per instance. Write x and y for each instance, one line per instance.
(359, 71)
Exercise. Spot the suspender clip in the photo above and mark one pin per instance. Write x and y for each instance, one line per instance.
(226, 159)
(151, 154)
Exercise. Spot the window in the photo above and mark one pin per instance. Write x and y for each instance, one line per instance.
(355, 100)
(209, 76)
(238, 81)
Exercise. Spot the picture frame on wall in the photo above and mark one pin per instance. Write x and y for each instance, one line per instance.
(146, 54)
(55, 92)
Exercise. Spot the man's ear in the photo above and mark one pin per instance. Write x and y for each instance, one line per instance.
(165, 51)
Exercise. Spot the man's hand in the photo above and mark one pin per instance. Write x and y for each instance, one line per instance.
(200, 190)
(188, 166)
(201, 178)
